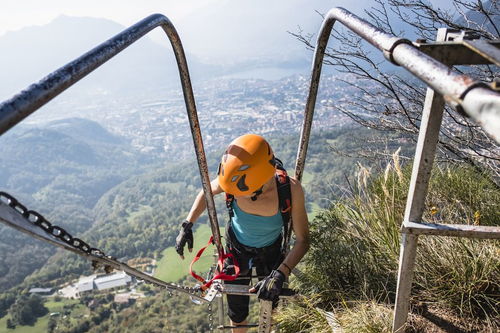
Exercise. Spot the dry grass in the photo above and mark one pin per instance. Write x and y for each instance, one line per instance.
(355, 250)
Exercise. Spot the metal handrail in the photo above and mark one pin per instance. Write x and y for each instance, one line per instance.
(20, 106)
(475, 98)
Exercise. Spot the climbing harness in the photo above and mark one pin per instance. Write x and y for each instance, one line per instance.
(220, 275)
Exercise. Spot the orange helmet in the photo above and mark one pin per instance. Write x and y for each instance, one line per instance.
(247, 164)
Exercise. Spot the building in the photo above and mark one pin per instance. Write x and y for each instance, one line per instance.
(41, 291)
(115, 280)
(103, 282)
(85, 283)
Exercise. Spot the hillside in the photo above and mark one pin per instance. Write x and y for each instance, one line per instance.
(351, 267)
(138, 216)
(60, 170)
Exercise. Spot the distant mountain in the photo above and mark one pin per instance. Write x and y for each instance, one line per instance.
(84, 130)
(61, 170)
(31, 53)
(36, 158)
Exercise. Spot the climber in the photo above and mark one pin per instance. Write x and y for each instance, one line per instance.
(255, 230)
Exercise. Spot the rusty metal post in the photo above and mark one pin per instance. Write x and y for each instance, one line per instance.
(425, 152)
(319, 54)
(29, 100)
(220, 310)
(265, 317)
(407, 254)
(422, 167)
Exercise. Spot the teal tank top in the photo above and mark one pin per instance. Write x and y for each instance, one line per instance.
(254, 230)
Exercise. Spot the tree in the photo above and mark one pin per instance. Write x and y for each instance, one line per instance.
(10, 324)
(27, 309)
(390, 100)
(6, 300)
(52, 324)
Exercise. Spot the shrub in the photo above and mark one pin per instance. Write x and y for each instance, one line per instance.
(27, 309)
(354, 251)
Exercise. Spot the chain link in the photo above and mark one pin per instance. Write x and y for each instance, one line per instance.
(38, 220)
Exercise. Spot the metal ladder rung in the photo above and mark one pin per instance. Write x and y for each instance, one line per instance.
(457, 230)
(233, 289)
(228, 327)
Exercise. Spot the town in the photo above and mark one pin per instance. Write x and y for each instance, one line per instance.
(158, 122)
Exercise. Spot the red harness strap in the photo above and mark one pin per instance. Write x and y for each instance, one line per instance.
(220, 264)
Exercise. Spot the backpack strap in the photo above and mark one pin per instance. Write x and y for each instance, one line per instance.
(284, 194)
(229, 205)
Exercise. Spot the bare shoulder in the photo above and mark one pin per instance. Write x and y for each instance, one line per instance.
(216, 189)
(296, 188)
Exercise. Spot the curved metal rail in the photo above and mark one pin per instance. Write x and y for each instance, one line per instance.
(475, 99)
(36, 95)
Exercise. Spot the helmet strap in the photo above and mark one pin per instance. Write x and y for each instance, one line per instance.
(257, 193)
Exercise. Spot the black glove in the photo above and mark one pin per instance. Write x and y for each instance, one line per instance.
(270, 287)
(185, 235)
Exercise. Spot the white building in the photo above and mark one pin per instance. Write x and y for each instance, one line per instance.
(85, 283)
(41, 291)
(115, 280)
(92, 282)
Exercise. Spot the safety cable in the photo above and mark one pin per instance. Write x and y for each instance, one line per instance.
(17, 216)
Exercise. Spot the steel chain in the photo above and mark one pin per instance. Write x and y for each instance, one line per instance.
(38, 220)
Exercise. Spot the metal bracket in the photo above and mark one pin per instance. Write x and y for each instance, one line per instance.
(454, 35)
(265, 318)
(388, 54)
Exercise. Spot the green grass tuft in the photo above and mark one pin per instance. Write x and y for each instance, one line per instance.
(354, 251)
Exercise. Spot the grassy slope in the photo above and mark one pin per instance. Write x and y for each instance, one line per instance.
(41, 323)
(351, 266)
(172, 268)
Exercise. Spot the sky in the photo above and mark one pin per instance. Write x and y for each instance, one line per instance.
(15, 14)
(210, 28)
